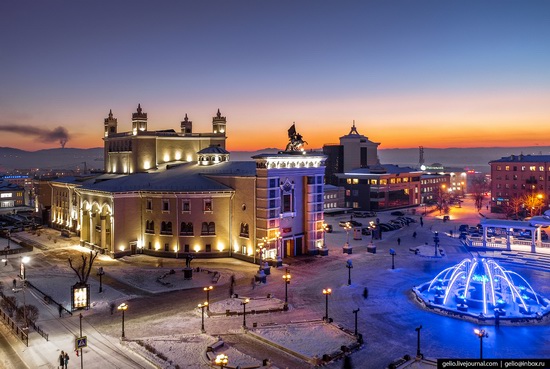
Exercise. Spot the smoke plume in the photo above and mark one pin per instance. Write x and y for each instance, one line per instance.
(59, 134)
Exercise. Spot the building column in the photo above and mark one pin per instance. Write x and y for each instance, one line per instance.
(103, 232)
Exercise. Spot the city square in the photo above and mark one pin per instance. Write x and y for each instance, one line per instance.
(387, 317)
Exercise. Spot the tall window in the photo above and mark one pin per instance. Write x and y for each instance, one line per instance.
(186, 205)
(287, 190)
(208, 205)
(149, 204)
(165, 205)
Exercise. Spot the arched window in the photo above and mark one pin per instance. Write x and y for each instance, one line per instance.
(186, 229)
(244, 230)
(208, 229)
(166, 228)
(149, 226)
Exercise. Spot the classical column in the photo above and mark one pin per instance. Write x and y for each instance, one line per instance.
(103, 232)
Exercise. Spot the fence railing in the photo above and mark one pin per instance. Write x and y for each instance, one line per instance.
(21, 333)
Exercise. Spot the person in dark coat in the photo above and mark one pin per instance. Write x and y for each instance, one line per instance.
(66, 360)
(62, 360)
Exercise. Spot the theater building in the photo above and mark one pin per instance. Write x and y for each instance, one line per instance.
(168, 193)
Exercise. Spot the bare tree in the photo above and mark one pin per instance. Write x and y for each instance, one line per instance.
(479, 188)
(30, 312)
(9, 304)
(533, 203)
(84, 268)
(514, 206)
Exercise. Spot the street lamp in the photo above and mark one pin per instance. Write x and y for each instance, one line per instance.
(24, 260)
(418, 354)
(246, 301)
(286, 278)
(349, 265)
(355, 312)
(481, 333)
(100, 273)
(260, 276)
(326, 292)
(123, 307)
(392, 253)
(347, 227)
(208, 289)
(221, 360)
(436, 242)
(279, 249)
(202, 306)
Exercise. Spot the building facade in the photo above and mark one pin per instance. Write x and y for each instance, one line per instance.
(170, 194)
(515, 176)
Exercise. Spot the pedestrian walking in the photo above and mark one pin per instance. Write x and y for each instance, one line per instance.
(421, 222)
(60, 310)
(14, 283)
(365, 292)
(398, 241)
(414, 234)
(66, 360)
(61, 360)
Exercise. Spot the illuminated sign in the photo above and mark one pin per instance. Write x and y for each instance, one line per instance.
(80, 296)
(6, 194)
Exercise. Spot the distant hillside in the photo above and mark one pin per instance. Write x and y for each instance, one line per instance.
(67, 158)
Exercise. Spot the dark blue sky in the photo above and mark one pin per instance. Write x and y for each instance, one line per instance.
(432, 70)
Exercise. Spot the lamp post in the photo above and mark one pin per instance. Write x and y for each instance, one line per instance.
(286, 278)
(326, 292)
(418, 354)
(347, 248)
(202, 306)
(260, 276)
(279, 250)
(208, 289)
(355, 312)
(436, 242)
(221, 360)
(349, 265)
(100, 273)
(481, 333)
(246, 301)
(392, 253)
(123, 307)
(22, 272)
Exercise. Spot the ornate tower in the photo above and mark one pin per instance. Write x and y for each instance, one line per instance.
(186, 126)
(110, 124)
(139, 121)
(218, 124)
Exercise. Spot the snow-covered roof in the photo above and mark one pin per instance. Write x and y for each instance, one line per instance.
(188, 177)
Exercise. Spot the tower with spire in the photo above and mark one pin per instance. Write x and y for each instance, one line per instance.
(186, 126)
(110, 124)
(219, 124)
(139, 121)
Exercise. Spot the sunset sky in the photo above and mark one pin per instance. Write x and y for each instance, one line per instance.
(432, 73)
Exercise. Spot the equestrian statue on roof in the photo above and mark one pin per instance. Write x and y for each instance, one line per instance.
(296, 141)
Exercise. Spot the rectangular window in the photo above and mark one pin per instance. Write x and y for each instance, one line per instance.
(348, 180)
(166, 247)
(272, 193)
(165, 205)
(150, 246)
(186, 205)
(541, 169)
(355, 181)
(149, 205)
(507, 167)
(208, 205)
(287, 203)
(499, 167)
(310, 180)
(208, 247)
(532, 168)
(373, 181)
(186, 248)
(273, 182)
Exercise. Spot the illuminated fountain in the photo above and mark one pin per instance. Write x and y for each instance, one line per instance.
(482, 289)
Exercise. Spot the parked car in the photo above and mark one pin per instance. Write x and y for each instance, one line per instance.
(386, 227)
(365, 231)
(355, 223)
(397, 213)
(364, 214)
(329, 228)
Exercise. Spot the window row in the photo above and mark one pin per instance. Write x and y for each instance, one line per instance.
(186, 229)
(523, 168)
(185, 205)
